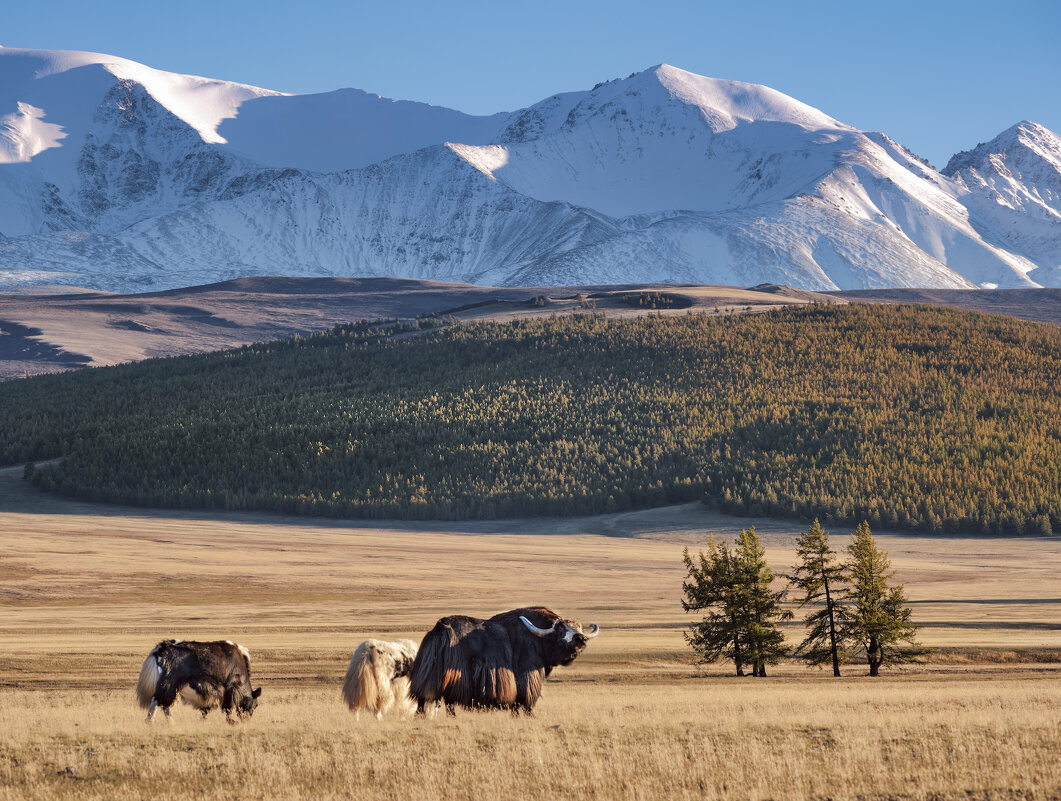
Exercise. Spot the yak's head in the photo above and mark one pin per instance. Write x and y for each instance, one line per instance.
(562, 641)
(248, 703)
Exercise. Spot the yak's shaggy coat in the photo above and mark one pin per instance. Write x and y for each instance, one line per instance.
(496, 663)
(378, 677)
(206, 675)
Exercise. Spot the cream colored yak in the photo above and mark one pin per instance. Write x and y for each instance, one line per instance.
(377, 679)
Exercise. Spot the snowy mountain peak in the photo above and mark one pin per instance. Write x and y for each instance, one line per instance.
(1014, 181)
(1040, 141)
(118, 176)
(202, 103)
(730, 102)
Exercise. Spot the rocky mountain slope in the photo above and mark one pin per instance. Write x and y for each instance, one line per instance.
(1013, 186)
(119, 177)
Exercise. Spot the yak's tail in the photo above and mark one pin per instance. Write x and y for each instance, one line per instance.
(429, 673)
(376, 677)
(360, 685)
(149, 675)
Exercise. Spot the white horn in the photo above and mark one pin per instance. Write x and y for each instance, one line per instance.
(592, 634)
(537, 631)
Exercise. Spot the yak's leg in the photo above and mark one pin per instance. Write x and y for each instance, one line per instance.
(229, 697)
(165, 695)
(151, 709)
(421, 710)
(213, 694)
(226, 707)
(451, 710)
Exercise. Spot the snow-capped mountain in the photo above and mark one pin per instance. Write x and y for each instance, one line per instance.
(1013, 185)
(120, 177)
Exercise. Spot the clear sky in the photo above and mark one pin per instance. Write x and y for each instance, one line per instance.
(939, 76)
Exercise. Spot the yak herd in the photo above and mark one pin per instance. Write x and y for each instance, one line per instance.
(499, 663)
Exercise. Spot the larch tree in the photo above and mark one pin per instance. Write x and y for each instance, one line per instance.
(880, 619)
(764, 644)
(711, 586)
(821, 581)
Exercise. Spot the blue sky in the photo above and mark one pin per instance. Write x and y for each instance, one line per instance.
(936, 75)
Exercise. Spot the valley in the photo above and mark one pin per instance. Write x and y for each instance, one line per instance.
(299, 370)
(86, 590)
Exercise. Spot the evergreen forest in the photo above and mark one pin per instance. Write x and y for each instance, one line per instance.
(905, 416)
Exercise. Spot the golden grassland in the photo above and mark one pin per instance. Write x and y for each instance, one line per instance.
(703, 738)
(86, 591)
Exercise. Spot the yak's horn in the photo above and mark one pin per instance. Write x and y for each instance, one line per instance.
(594, 633)
(539, 632)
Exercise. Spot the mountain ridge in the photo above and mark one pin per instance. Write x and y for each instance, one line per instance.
(1015, 181)
(149, 180)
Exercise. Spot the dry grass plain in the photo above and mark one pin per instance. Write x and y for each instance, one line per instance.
(58, 331)
(85, 592)
(65, 328)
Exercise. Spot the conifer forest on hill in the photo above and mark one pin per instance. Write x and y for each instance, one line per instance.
(906, 416)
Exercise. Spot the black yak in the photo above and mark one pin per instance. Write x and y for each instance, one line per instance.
(378, 677)
(497, 663)
(205, 675)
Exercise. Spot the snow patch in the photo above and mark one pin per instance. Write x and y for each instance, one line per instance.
(485, 159)
(730, 102)
(24, 134)
(201, 102)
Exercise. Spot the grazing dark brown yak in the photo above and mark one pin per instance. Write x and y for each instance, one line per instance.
(498, 663)
(206, 675)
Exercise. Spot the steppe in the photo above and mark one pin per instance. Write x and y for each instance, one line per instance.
(86, 591)
(64, 328)
(67, 328)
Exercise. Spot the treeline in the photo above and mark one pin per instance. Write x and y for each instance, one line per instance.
(907, 417)
(855, 611)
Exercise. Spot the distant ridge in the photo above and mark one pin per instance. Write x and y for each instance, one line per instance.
(64, 331)
(1040, 305)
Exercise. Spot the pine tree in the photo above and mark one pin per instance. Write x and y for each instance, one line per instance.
(880, 618)
(712, 586)
(821, 580)
(763, 641)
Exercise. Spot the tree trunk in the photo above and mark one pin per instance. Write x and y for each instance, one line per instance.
(737, 660)
(873, 653)
(762, 670)
(832, 628)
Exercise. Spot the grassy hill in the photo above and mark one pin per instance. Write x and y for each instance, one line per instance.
(910, 417)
